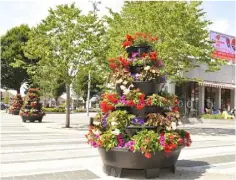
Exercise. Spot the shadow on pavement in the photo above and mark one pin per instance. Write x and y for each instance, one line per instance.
(211, 131)
(180, 173)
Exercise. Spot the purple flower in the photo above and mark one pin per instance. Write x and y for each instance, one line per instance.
(97, 136)
(104, 121)
(138, 121)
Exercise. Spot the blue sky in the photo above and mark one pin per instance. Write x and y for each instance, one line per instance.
(16, 12)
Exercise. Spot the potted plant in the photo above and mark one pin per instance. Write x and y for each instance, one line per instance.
(16, 105)
(139, 42)
(32, 109)
(133, 125)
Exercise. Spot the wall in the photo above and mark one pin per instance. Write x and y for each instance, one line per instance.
(225, 75)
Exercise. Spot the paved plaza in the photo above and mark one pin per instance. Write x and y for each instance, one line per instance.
(49, 151)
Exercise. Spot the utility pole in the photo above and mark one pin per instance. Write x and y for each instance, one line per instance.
(95, 9)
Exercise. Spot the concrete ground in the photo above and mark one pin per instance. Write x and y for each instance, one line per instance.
(49, 151)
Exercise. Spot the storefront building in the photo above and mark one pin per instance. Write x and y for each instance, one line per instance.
(217, 90)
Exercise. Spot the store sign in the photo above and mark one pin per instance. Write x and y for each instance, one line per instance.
(224, 46)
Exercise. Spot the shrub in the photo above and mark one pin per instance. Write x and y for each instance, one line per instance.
(59, 109)
(212, 116)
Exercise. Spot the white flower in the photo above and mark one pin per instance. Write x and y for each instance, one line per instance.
(168, 128)
(147, 68)
(116, 131)
(96, 123)
(97, 132)
(153, 71)
(131, 86)
(173, 125)
(122, 87)
(119, 81)
(114, 123)
(125, 82)
(126, 91)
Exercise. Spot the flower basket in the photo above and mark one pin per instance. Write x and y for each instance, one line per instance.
(15, 112)
(117, 159)
(145, 87)
(138, 112)
(153, 109)
(123, 108)
(135, 69)
(138, 49)
(132, 130)
(32, 118)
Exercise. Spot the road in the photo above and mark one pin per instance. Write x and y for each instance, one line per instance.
(49, 151)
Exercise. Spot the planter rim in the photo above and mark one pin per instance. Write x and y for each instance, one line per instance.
(135, 127)
(127, 150)
(138, 46)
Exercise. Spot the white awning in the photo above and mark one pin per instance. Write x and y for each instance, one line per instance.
(217, 85)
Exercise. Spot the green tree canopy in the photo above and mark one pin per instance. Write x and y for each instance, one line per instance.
(80, 84)
(12, 44)
(180, 27)
(64, 41)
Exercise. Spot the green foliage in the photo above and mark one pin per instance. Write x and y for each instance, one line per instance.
(80, 83)
(180, 27)
(6, 98)
(118, 119)
(13, 59)
(146, 141)
(212, 116)
(109, 140)
(54, 110)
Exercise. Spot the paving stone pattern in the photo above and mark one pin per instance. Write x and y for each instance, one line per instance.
(56, 155)
(67, 175)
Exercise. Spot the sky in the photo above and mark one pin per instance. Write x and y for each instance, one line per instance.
(16, 12)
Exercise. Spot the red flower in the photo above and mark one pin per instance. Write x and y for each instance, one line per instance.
(129, 37)
(144, 55)
(175, 109)
(148, 155)
(187, 135)
(140, 106)
(112, 98)
(126, 43)
(105, 107)
(124, 61)
(153, 56)
(141, 97)
(130, 103)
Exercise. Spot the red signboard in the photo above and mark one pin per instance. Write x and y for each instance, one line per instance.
(224, 46)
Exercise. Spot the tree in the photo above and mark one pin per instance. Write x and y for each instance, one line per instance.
(180, 27)
(80, 84)
(12, 44)
(64, 41)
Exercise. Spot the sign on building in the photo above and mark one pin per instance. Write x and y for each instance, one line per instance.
(224, 46)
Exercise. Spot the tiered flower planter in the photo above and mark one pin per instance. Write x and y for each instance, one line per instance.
(32, 110)
(16, 105)
(132, 115)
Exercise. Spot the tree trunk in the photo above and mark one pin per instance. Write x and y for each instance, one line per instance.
(67, 105)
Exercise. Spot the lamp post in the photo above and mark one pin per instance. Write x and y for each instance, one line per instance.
(95, 9)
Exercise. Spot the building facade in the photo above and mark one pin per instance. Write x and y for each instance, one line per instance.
(217, 90)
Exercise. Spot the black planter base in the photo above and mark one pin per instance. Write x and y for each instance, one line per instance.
(32, 118)
(117, 172)
(118, 159)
